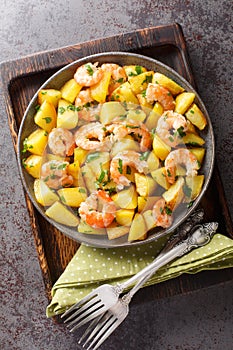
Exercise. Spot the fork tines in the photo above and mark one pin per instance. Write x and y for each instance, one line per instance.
(98, 331)
(83, 312)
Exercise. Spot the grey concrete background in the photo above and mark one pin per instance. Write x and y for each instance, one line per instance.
(200, 320)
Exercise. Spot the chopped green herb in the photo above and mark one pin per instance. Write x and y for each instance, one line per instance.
(191, 111)
(121, 80)
(169, 173)
(43, 92)
(92, 156)
(189, 205)
(46, 133)
(47, 120)
(24, 163)
(37, 107)
(62, 166)
(89, 69)
(148, 79)
(131, 126)
(82, 190)
(168, 210)
(61, 110)
(171, 138)
(63, 199)
(169, 94)
(120, 168)
(144, 155)
(101, 177)
(25, 146)
(144, 93)
(138, 69)
(71, 108)
(46, 179)
(181, 132)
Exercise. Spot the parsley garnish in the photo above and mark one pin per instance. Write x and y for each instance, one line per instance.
(61, 110)
(92, 156)
(144, 155)
(181, 132)
(168, 210)
(120, 168)
(47, 120)
(138, 69)
(89, 69)
(148, 79)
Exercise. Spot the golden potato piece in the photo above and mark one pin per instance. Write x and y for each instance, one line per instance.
(72, 196)
(139, 83)
(50, 95)
(44, 195)
(67, 115)
(61, 214)
(124, 217)
(111, 110)
(193, 139)
(153, 117)
(149, 219)
(145, 203)
(161, 149)
(194, 185)
(115, 231)
(184, 101)
(83, 227)
(168, 83)
(133, 70)
(33, 165)
(199, 152)
(124, 94)
(174, 195)
(99, 91)
(196, 117)
(46, 116)
(159, 175)
(36, 142)
(70, 90)
(137, 229)
(145, 185)
(127, 198)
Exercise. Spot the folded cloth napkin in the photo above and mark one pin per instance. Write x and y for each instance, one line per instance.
(91, 267)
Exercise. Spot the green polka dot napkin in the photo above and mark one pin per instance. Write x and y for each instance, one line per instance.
(91, 267)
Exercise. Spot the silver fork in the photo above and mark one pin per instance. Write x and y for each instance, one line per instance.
(106, 296)
(103, 326)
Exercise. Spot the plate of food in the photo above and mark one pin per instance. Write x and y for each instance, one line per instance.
(116, 149)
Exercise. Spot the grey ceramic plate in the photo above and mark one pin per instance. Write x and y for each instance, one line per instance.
(66, 73)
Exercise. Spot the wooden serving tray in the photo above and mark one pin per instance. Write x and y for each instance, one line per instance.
(20, 80)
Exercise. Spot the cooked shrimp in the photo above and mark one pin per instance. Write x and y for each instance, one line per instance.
(120, 130)
(162, 214)
(119, 165)
(88, 111)
(61, 142)
(92, 137)
(156, 92)
(88, 74)
(171, 127)
(98, 210)
(180, 156)
(54, 174)
(83, 98)
(117, 73)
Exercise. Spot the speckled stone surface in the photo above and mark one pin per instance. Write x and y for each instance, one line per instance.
(199, 320)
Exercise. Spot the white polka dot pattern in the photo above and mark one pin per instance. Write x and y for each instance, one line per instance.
(93, 266)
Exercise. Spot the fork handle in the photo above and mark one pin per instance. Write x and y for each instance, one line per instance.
(199, 236)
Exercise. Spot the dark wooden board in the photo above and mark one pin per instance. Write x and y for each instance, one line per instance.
(20, 80)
